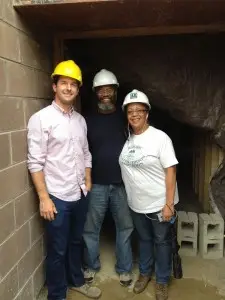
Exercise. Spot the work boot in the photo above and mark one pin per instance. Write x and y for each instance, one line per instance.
(161, 291)
(89, 275)
(125, 279)
(141, 284)
(88, 291)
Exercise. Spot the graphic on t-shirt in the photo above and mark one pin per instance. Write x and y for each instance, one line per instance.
(132, 155)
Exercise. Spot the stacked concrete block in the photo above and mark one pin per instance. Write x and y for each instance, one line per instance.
(187, 233)
(211, 236)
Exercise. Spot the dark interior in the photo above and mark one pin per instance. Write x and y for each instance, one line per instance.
(86, 54)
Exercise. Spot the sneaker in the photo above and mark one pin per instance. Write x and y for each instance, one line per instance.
(141, 284)
(89, 275)
(88, 291)
(161, 291)
(125, 279)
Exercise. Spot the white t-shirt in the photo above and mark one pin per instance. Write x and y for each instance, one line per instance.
(143, 160)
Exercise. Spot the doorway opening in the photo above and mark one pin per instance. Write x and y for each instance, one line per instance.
(109, 53)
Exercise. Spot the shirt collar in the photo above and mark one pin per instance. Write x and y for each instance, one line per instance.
(56, 106)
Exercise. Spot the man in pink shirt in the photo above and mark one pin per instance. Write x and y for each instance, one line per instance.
(60, 165)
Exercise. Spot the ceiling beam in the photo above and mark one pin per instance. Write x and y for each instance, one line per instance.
(141, 31)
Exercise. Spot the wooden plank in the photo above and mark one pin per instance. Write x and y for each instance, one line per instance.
(207, 174)
(193, 164)
(141, 31)
(197, 165)
(201, 170)
(214, 163)
(215, 159)
(221, 155)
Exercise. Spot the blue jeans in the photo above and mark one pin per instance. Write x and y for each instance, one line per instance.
(114, 197)
(155, 245)
(65, 247)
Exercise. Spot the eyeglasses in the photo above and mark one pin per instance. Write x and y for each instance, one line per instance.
(138, 112)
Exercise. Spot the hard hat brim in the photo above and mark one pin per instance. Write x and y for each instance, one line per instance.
(57, 74)
(113, 84)
(142, 102)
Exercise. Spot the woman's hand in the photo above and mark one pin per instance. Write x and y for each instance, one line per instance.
(167, 212)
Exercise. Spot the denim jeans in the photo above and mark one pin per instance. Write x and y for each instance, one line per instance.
(65, 247)
(101, 197)
(155, 246)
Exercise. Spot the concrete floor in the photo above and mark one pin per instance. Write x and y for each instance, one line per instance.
(203, 279)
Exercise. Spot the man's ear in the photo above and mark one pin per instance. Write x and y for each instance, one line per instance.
(54, 87)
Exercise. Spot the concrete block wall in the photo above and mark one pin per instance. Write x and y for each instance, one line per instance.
(25, 64)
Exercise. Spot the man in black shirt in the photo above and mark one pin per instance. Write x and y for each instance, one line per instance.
(106, 139)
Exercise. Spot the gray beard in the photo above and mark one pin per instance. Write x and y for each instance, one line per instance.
(106, 106)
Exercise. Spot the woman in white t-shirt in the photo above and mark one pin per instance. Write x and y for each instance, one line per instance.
(148, 166)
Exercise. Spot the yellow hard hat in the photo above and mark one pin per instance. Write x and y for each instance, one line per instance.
(68, 68)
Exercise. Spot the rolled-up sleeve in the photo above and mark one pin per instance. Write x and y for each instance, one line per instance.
(87, 154)
(37, 139)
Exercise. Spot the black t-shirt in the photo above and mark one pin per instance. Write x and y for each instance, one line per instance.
(106, 138)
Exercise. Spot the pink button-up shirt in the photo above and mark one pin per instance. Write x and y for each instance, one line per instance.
(57, 144)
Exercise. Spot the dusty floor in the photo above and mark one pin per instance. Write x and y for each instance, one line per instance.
(203, 280)
(186, 289)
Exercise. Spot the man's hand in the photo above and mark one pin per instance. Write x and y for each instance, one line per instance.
(47, 209)
(88, 184)
(168, 212)
(88, 181)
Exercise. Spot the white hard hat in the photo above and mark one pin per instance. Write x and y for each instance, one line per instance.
(104, 77)
(136, 97)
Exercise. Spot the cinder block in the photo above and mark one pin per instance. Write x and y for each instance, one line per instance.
(9, 285)
(187, 224)
(36, 227)
(21, 80)
(32, 106)
(9, 47)
(11, 113)
(39, 279)
(13, 249)
(3, 80)
(19, 146)
(211, 236)
(211, 226)
(27, 291)
(29, 262)
(211, 249)
(7, 224)
(188, 248)
(13, 182)
(5, 151)
(26, 205)
(187, 233)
